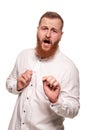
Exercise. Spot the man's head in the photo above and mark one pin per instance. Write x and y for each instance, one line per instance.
(49, 34)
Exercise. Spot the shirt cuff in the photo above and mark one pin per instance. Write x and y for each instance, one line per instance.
(13, 88)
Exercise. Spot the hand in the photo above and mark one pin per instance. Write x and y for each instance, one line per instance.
(51, 88)
(24, 80)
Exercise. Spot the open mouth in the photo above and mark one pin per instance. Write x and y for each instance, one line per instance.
(47, 41)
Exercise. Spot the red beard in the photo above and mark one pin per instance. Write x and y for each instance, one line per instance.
(46, 54)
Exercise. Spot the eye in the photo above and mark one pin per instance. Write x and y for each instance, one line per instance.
(44, 28)
(54, 30)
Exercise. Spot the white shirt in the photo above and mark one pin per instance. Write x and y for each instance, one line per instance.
(33, 110)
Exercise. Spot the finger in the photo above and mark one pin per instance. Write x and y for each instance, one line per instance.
(27, 75)
(44, 78)
(49, 78)
(52, 81)
(56, 85)
(45, 83)
(29, 72)
(22, 80)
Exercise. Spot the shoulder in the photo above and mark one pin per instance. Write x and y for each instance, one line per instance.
(67, 63)
(26, 52)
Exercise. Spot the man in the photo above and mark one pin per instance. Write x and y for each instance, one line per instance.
(46, 81)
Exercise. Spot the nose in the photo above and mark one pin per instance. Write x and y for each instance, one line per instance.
(48, 33)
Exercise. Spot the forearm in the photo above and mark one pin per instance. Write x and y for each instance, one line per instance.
(69, 108)
(68, 102)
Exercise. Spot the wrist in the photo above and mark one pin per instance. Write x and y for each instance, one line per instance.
(53, 100)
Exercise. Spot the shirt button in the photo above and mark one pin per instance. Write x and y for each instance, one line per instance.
(27, 98)
(40, 59)
(24, 111)
(51, 105)
(23, 123)
(31, 85)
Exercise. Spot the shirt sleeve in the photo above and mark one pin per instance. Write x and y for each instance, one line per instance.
(68, 102)
(11, 82)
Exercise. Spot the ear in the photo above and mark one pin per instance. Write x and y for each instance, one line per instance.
(61, 35)
(37, 27)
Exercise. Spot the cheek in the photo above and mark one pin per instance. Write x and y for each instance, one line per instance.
(56, 38)
(41, 34)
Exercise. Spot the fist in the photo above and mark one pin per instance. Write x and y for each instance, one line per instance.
(24, 79)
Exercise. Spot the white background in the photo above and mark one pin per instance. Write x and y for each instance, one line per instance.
(18, 24)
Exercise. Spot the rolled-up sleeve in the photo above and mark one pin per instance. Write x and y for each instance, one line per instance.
(68, 102)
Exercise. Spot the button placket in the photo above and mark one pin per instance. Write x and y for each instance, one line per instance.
(26, 111)
(29, 92)
(23, 117)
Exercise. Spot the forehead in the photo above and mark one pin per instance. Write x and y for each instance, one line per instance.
(55, 22)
